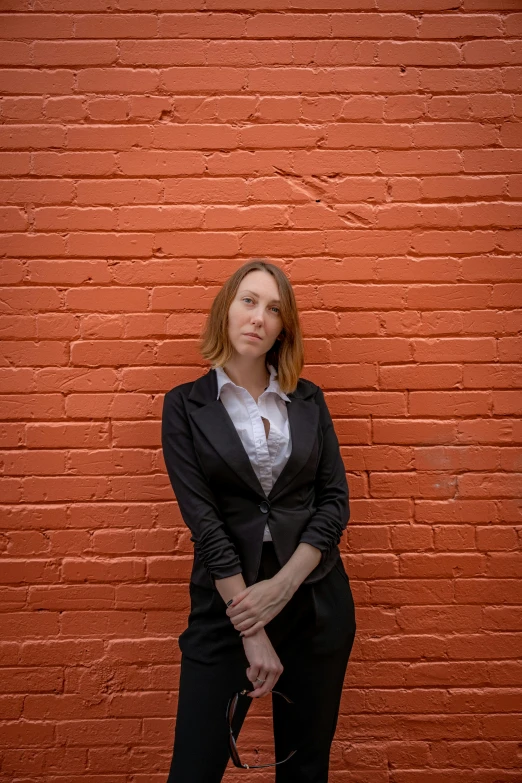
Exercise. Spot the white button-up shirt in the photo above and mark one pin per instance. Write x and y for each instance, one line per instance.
(268, 456)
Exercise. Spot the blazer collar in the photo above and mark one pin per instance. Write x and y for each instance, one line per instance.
(205, 389)
(216, 425)
(273, 384)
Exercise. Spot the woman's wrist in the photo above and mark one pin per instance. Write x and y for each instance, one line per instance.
(305, 558)
(230, 587)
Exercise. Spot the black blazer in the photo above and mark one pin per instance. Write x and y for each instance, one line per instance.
(219, 494)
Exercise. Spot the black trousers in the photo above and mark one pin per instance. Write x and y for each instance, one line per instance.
(313, 636)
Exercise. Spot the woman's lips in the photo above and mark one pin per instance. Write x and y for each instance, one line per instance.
(253, 336)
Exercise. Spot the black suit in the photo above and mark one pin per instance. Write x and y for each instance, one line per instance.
(225, 507)
(219, 494)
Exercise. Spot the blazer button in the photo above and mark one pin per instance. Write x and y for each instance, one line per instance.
(264, 507)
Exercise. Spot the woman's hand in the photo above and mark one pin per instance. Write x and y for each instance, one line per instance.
(256, 605)
(264, 663)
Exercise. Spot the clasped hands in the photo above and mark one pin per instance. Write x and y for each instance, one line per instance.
(256, 605)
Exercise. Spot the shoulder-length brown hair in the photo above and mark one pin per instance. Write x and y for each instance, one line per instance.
(287, 353)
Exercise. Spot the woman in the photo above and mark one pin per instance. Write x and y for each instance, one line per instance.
(255, 464)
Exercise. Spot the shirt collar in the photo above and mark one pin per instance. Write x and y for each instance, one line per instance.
(273, 384)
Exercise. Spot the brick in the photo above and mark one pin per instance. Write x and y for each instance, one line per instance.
(201, 25)
(31, 137)
(107, 299)
(96, 353)
(492, 161)
(278, 136)
(491, 52)
(108, 109)
(461, 25)
(374, 25)
(16, 380)
(32, 406)
(117, 80)
(73, 218)
(154, 163)
(28, 299)
(456, 186)
(74, 53)
(248, 53)
(38, 191)
(454, 242)
(67, 272)
(418, 53)
(159, 218)
(162, 52)
(68, 109)
(229, 218)
(119, 191)
(207, 79)
(196, 244)
(453, 135)
(109, 244)
(35, 82)
(100, 137)
(350, 80)
(58, 164)
(18, 163)
(12, 219)
(206, 191)
(420, 162)
(466, 80)
(37, 354)
(116, 26)
(117, 406)
(75, 435)
(491, 106)
(46, 463)
(35, 26)
(67, 379)
(145, 272)
(289, 26)
(13, 245)
(365, 134)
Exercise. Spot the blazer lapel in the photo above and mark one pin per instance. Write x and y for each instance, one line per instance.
(217, 426)
(303, 416)
(215, 423)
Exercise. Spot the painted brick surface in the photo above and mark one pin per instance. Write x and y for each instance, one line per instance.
(373, 148)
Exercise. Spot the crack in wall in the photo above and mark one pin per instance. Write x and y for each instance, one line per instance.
(316, 188)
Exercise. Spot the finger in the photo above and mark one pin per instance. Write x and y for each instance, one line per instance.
(271, 681)
(252, 630)
(253, 673)
(259, 687)
(246, 623)
(238, 613)
(239, 597)
(267, 686)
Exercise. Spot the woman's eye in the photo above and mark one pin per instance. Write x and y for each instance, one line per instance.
(249, 299)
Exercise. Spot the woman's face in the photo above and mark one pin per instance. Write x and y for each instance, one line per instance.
(255, 310)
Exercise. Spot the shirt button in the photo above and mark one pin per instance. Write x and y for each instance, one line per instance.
(264, 507)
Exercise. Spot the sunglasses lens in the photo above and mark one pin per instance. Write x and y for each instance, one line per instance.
(268, 756)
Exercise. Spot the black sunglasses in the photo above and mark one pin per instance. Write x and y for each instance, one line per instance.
(234, 755)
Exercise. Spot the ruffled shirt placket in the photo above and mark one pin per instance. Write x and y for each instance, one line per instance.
(266, 454)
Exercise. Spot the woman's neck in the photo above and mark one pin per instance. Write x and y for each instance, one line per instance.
(254, 377)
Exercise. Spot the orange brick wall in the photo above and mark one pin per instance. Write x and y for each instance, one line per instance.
(373, 149)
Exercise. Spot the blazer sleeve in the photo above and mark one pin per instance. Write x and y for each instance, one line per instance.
(196, 500)
(325, 528)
